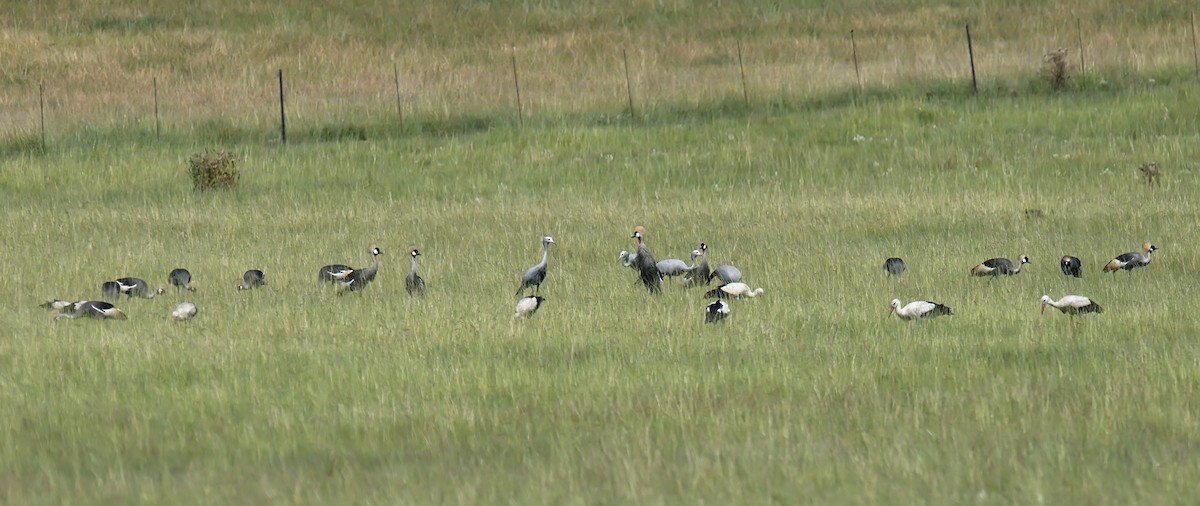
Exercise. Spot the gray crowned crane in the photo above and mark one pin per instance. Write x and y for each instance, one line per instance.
(894, 266)
(918, 309)
(252, 278)
(735, 290)
(111, 290)
(339, 272)
(534, 276)
(646, 265)
(716, 311)
(699, 271)
(413, 283)
(998, 266)
(59, 304)
(183, 311)
(182, 279)
(358, 279)
(1071, 305)
(136, 287)
(1071, 266)
(90, 309)
(1132, 260)
(527, 306)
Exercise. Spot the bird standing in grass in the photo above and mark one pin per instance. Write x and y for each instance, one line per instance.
(527, 306)
(90, 309)
(413, 283)
(534, 276)
(726, 273)
(358, 279)
(716, 311)
(252, 278)
(181, 278)
(894, 266)
(698, 274)
(136, 287)
(736, 290)
(646, 265)
(183, 311)
(1072, 305)
(1132, 260)
(998, 266)
(919, 309)
(1071, 266)
(340, 272)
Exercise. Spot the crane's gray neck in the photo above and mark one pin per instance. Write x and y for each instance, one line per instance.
(414, 265)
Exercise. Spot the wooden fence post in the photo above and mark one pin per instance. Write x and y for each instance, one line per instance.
(282, 113)
(971, 52)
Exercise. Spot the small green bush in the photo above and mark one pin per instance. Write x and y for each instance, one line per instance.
(214, 170)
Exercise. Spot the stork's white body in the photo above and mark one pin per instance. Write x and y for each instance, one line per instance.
(736, 290)
(1072, 305)
(527, 306)
(919, 309)
(183, 311)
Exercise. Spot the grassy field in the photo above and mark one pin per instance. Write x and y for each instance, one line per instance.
(290, 394)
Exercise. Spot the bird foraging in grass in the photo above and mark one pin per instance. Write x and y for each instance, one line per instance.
(527, 306)
(413, 283)
(90, 309)
(735, 290)
(1072, 305)
(716, 311)
(181, 278)
(919, 309)
(111, 290)
(1132, 260)
(252, 278)
(347, 279)
(894, 266)
(998, 266)
(183, 311)
(136, 287)
(534, 276)
(1071, 266)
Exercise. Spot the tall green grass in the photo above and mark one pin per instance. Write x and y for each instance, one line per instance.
(806, 394)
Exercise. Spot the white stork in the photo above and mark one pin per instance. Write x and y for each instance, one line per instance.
(1072, 305)
(918, 309)
(735, 290)
(527, 306)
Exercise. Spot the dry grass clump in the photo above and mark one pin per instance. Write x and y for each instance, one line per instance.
(214, 170)
(1057, 70)
(1151, 173)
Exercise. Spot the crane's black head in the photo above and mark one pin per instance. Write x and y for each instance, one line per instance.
(1024, 259)
(1150, 248)
(703, 247)
(415, 252)
(375, 251)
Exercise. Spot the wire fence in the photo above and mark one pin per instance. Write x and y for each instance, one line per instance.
(520, 86)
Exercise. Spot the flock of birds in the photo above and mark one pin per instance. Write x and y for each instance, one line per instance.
(1072, 305)
(651, 274)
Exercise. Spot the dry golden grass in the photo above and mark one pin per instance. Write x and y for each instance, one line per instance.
(219, 60)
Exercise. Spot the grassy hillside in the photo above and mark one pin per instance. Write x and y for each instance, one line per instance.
(291, 394)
